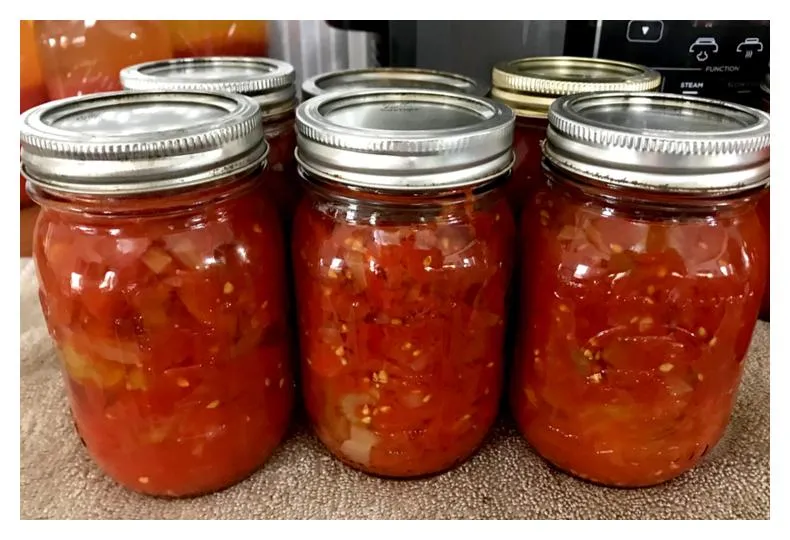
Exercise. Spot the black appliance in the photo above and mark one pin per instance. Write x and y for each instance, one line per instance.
(721, 59)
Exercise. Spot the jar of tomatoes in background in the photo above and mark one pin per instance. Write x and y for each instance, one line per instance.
(529, 86)
(402, 254)
(218, 38)
(269, 82)
(764, 207)
(161, 270)
(84, 57)
(32, 90)
(641, 282)
(398, 77)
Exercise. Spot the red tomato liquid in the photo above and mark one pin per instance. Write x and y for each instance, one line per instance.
(635, 324)
(402, 326)
(172, 329)
(282, 178)
(527, 171)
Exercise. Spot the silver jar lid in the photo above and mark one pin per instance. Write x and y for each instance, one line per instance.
(660, 142)
(270, 82)
(403, 139)
(359, 79)
(127, 143)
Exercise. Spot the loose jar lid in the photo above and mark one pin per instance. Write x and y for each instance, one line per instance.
(359, 79)
(529, 85)
(404, 139)
(270, 82)
(125, 143)
(660, 142)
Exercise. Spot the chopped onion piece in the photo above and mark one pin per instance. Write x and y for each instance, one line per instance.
(358, 447)
(248, 341)
(425, 239)
(420, 362)
(356, 264)
(156, 259)
(116, 351)
(82, 369)
(154, 317)
(387, 238)
(76, 364)
(331, 336)
(173, 281)
(352, 403)
(567, 233)
(412, 400)
(135, 380)
(485, 318)
(184, 250)
(678, 387)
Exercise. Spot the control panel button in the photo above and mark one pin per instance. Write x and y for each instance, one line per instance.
(703, 48)
(749, 46)
(645, 31)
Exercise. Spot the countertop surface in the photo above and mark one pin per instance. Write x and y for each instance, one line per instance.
(505, 480)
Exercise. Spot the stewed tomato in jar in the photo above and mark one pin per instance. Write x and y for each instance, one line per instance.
(82, 57)
(402, 252)
(268, 81)
(218, 38)
(161, 266)
(529, 85)
(641, 283)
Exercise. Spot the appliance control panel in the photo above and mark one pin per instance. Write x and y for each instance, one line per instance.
(718, 59)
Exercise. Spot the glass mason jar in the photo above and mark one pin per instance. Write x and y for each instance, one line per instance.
(764, 207)
(267, 81)
(218, 38)
(84, 57)
(642, 273)
(397, 77)
(402, 252)
(161, 268)
(529, 85)
(32, 90)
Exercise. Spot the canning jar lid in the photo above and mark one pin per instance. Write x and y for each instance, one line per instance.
(529, 85)
(270, 82)
(660, 142)
(127, 143)
(359, 79)
(404, 139)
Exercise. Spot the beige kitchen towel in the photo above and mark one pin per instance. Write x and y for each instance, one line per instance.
(505, 480)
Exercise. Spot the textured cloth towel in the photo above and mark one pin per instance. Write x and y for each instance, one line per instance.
(505, 480)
